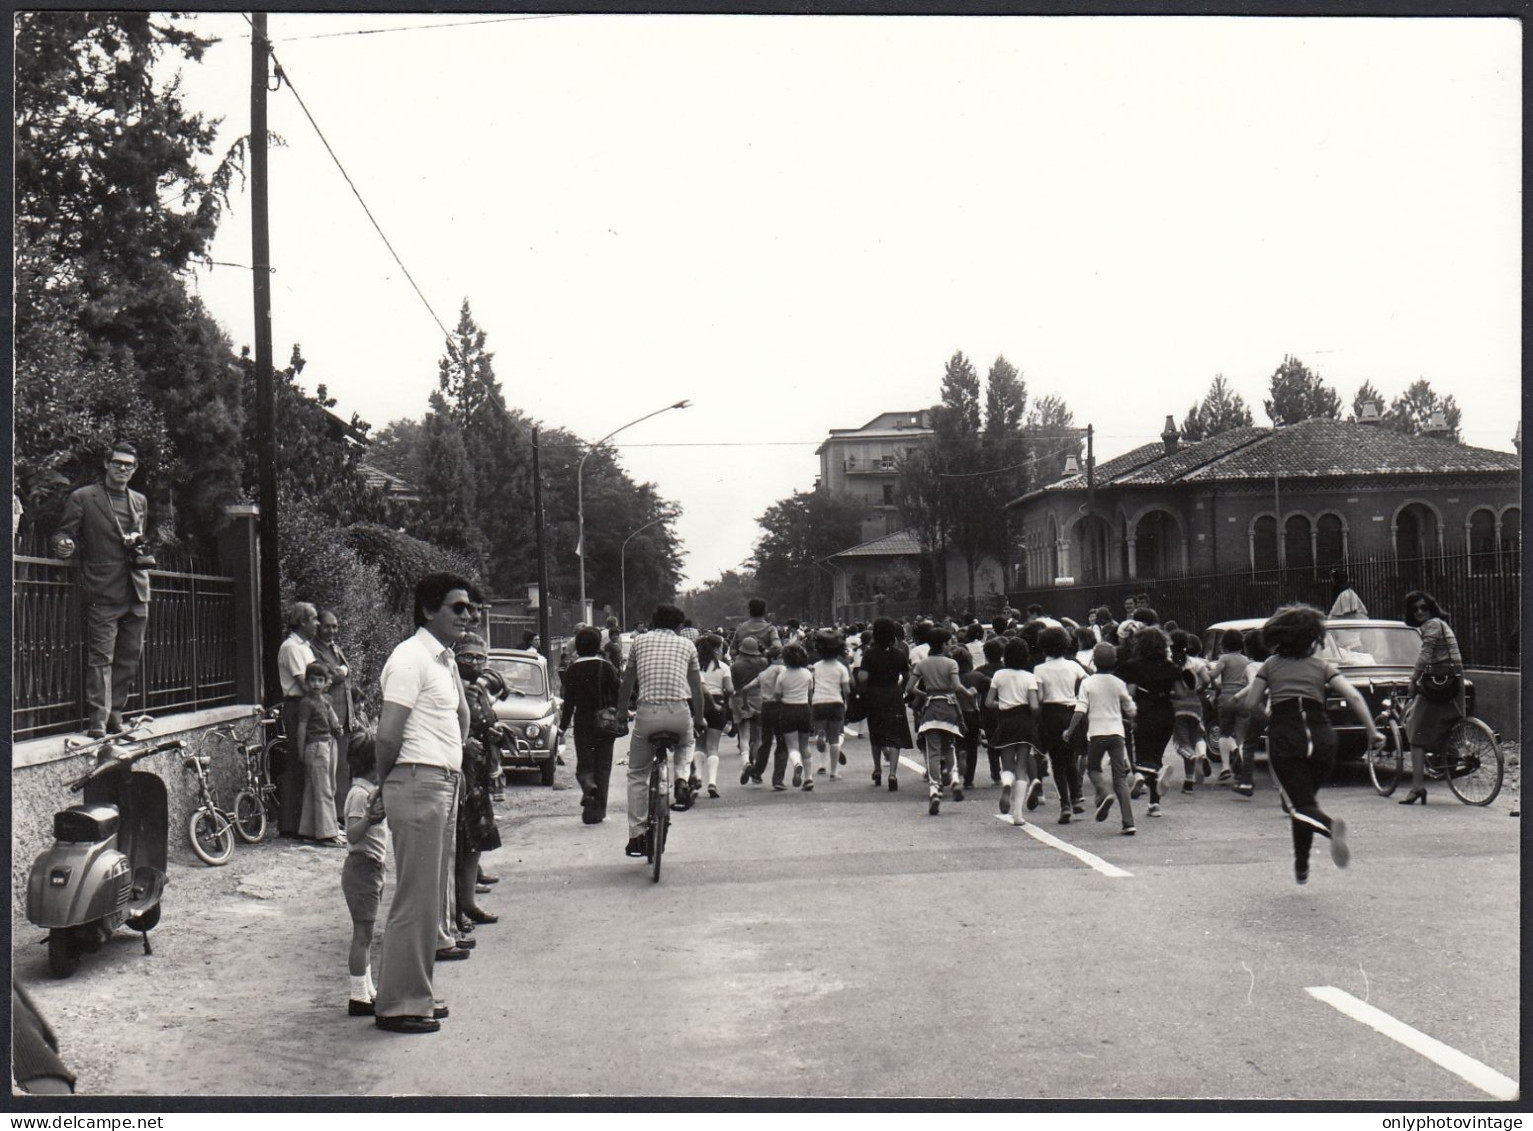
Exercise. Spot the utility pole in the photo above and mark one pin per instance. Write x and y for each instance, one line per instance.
(537, 518)
(266, 415)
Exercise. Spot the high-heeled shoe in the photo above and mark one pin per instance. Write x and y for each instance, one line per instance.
(1414, 796)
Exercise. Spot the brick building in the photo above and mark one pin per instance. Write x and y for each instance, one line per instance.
(861, 462)
(1314, 494)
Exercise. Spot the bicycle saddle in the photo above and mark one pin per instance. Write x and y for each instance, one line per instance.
(666, 736)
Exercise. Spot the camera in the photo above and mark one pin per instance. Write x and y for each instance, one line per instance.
(139, 551)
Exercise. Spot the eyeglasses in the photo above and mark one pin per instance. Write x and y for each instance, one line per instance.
(465, 608)
(126, 464)
(465, 658)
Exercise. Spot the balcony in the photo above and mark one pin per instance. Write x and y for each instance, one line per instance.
(869, 467)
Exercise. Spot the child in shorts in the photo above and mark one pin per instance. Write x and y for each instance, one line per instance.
(367, 839)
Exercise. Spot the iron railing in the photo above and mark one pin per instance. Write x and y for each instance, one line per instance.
(189, 644)
(1480, 595)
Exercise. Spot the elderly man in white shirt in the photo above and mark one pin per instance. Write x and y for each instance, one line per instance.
(294, 656)
(420, 754)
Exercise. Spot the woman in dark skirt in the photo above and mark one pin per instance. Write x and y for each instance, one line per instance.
(880, 687)
(1428, 720)
(590, 683)
(477, 831)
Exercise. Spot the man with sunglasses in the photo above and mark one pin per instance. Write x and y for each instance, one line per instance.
(421, 731)
(105, 522)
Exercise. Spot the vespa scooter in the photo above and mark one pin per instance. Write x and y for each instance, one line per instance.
(106, 867)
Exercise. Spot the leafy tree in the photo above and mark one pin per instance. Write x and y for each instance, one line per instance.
(1297, 394)
(1412, 410)
(1005, 398)
(1050, 412)
(718, 602)
(1366, 392)
(448, 497)
(798, 533)
(395, 448)
(1220, 410)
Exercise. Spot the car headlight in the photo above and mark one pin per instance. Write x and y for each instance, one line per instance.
(533, 730)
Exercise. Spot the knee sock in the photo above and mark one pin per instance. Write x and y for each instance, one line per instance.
(360, 988)
(834, 755)
(713, 769)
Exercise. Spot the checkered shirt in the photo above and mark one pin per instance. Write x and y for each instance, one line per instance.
(662, 660)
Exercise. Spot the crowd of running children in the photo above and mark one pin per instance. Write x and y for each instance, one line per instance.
(1127, 706)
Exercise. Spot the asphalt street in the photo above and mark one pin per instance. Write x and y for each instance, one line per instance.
(844, 943)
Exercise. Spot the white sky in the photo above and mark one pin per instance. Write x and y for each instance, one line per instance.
(795, 221)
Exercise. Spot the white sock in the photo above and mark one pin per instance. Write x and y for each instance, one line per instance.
(359, 987)
(1008, 778)
(835, 758)
(713, 769)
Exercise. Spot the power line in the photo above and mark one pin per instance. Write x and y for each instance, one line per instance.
(424, 27)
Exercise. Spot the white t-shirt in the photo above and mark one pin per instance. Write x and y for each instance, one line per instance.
(375, 841)
(421, 674)
(1083, 658)
(716, 681)
(832, 682)
(1011, 687)
(1104, 697)
(1058, 679)
(293, 659)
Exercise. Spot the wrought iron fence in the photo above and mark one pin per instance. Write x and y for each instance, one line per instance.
(510, 620)
(1480, 595)
(189, 644)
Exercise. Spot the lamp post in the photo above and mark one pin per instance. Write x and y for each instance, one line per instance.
(622, 565)
(580, 498)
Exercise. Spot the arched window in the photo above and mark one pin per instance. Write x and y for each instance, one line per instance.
(1330, 541)
(1264, 549)
(1155, 552)
(1298, 550)
(1092, 538)
(1415, 532)
(1482, 541)
(1051, 549)
(1511, 539)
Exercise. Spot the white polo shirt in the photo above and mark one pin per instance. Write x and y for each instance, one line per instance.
(293, 660)
(422, 675)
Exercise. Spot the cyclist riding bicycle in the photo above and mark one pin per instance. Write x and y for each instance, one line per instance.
(663, 666)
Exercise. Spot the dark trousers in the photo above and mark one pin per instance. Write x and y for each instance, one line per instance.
(770, 735)
(1052, 720)
(1302, 748)
(1152, 730)
(971, 748)
(593, 769)
(114, 645)
(292, 780)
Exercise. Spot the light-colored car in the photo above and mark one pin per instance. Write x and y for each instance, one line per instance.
(1372, 654)
(528, 710)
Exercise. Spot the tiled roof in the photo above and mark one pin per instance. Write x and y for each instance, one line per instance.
(1105, 472)
(1319, 448)
(1190, 457)
(898, 544)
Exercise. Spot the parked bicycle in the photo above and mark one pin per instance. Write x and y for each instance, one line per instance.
(210, 827)
(255, 805)
(1468, 758)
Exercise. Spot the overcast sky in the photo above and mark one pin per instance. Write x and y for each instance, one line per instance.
(795, 221)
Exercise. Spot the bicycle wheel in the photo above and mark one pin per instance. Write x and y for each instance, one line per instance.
(1473, 762)
(212, 837)
(249, 817)
(1384, 764)
(659, 813)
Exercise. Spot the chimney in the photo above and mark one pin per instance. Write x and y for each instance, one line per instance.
(1170, 436)
(1368, 413)
(1072, 465)
(1437, 425)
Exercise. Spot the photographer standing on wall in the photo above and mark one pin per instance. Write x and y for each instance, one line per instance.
(106, 521)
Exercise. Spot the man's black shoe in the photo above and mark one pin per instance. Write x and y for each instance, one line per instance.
(439, 1012)
(357, 1008)
(484, 879)
(479, 915)
(467, 942)
(408, 1024)
(450, 954)
(635, 847)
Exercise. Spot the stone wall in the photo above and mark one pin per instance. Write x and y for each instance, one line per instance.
(42, 769)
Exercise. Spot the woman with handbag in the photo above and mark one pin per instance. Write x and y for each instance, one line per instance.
(590, 696)
(1436, 687)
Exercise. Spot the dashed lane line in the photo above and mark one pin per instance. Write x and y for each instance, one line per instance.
(1466, 1067)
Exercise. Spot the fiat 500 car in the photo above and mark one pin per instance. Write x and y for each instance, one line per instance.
(527, 710)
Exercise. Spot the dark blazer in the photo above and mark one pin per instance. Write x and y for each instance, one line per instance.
(106, 566)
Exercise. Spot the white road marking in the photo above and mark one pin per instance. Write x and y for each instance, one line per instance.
(1110, 870)
(1482, 1076)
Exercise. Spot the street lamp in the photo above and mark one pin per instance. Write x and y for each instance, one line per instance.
(622, 565)
(580, 499)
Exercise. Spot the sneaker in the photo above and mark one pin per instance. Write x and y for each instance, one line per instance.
(745, 775)
(819, 743)
(1104, 807)
(834, 776)
(841, 757)
(934, 804)
(1034, 793)
(1164, 777)
(777, 785)
(798, 776)
(1064, 816)
(1188, 787)
(894, 784)
(1006, 798)
(755, 779)
(713, 791)
(1207, 766)
(695, 783)
(1154, 809)
(635, 846)
(957, 791)
(1301, 871)
(1138, 787)
(1244, 791)
(1128, 830)
(809, 785)
(878, 779)
(1340, 853)
(1016, 819)
(355, 1008)
(1224, 776)
(1077, 807)
(820, 772)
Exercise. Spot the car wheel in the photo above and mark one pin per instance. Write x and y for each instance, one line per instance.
(546, 770)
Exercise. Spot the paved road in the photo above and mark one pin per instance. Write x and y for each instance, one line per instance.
(844, 943)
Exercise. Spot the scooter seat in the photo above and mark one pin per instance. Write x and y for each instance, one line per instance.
(85, 824)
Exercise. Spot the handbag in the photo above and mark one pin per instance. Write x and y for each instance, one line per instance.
(609, 719)
(1440, 687)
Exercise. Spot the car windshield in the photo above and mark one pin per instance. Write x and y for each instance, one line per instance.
(1393, 647)
(520, 675)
